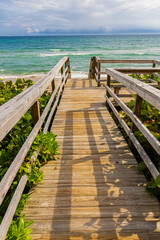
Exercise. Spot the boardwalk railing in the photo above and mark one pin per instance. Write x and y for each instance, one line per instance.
(11, 112)
(142, 91)
(95, 71)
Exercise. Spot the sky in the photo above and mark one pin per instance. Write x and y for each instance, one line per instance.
(47, 17)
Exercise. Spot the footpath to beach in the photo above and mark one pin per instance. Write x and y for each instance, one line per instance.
(93, 190)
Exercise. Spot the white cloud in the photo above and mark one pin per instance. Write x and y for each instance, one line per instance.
(29, 30)
(84, 14)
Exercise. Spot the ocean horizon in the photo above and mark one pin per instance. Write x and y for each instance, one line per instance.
(36, 55)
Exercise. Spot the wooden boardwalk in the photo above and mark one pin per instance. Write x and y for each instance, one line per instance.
(93, 190)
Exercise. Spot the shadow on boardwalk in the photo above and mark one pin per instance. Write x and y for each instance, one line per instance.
(105, 196)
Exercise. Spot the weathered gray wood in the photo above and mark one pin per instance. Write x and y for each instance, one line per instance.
(96, 70)
(101, 72)
(137, 111)
(137, 70)
(55, 105)
(145, 91)
(156, 62)
(35, 112)
(153, 170)
(125, 61)
(14, 100)
(116, 90)
(61, 71)
(108, 84)
(69, 68)
(11, 115)
(90, 69)
(153, 65)
(93, 68)
(14, 167)
(12, 207)
(156, 74)
(122, 86)
(99, 75)
(134, 117)
(53, 85)
(97, 59)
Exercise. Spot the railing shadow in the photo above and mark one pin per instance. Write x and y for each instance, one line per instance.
(86, 84)
(119, 191)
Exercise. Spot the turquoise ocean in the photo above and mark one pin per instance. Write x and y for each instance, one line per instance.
(36, 55)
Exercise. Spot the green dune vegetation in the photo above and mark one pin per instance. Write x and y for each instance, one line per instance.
(46, 144)
(150, 117)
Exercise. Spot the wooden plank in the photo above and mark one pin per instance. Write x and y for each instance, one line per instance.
(12, 208)
(93, 235)
(156, 62)
(156, 74)
(82, 225)
(93, 212)
(137, 112)
(137, 70)
(126, 61)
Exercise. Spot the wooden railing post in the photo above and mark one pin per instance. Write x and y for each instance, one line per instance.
(116, 90)
(35, 112)
(90, 69)
(93, 68)
(67, 64)
(62, 72)
(108, 84)
(153, 66)
(53, 85)
(137, 111)
(99, 75)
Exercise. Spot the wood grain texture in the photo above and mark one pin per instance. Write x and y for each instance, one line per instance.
(93, 190)
(14, 109)
(145, 91)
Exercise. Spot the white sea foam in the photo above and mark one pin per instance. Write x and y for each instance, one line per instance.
(64, 54)
(55, 50)
(36, 76)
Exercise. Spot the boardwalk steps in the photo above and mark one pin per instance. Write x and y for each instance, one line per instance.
(93, 190)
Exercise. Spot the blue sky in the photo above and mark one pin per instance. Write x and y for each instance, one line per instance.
(39, 17)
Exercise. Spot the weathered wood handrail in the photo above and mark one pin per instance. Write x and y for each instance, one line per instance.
(95, 67)
(143, 91)
(12, 111)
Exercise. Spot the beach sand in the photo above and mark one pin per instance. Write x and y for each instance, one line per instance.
(13, 78)
(37, 76)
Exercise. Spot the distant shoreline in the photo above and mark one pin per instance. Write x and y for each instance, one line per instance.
(82, 34)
